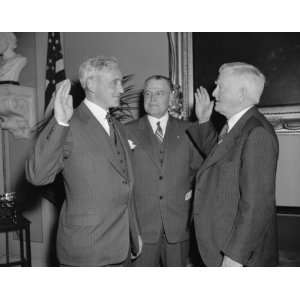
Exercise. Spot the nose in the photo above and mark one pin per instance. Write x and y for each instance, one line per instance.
(153, 97)
(214, 93)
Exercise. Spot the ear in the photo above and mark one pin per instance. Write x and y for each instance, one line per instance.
(91, 84)
(243, 96)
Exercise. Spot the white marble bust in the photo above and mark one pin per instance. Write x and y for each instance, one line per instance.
(17, 102)
(11, 64)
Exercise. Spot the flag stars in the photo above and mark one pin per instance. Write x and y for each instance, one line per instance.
(55, 69)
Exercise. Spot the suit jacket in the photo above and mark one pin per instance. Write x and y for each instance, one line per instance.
(160, 189)
(97, 220)
(234, 209)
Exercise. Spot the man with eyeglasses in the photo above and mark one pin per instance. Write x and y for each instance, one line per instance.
(164, 163)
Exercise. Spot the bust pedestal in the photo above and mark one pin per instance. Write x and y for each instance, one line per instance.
(17, 116)
(17, 109)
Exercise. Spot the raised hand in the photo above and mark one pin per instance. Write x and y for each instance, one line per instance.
(203, 105)
(63, 103)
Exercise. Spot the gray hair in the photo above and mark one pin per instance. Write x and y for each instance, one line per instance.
(250, 77)
(93, 66)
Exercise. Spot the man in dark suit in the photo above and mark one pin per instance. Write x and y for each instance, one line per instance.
(164, 163)
(234, 209)
(97, 223)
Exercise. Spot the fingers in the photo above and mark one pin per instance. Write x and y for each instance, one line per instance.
(202, 96)
(63, 90)
(69, 101)
(62, 95)
(203, 105)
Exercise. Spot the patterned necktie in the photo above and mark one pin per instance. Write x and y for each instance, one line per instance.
(112, 132)
(159, 133)
(222, 133)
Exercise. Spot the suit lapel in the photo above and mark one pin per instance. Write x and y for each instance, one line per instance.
(94, 130)
(171, 139)
(145, 137)
(220, 150)
(127, 150)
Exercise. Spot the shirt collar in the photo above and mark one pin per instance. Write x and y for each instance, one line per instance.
(99, 112)
(233, 120)
(163, 122)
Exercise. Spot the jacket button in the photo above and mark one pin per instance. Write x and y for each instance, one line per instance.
(160, 177)
(124, 182)
(161, 197)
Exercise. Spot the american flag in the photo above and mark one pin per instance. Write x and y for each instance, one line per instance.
(55, 71)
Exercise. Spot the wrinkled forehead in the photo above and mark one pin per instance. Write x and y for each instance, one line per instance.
(157, 84)
(111, 71)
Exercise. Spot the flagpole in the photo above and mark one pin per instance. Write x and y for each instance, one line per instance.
(4, 170)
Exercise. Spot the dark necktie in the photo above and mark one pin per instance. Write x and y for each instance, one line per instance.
(223, 133)
(112, 131)
(159, 133)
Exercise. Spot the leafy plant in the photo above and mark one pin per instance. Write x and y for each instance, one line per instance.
(129, 102)
(176, 107)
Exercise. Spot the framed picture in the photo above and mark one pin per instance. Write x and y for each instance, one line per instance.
(277, 55)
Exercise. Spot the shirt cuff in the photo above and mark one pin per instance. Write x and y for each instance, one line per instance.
(63, 124)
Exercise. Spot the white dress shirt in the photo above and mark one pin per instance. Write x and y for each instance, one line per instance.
(99, 113)
(163, 122)
(233, 120)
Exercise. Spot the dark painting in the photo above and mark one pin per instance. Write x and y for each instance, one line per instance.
(277, 55)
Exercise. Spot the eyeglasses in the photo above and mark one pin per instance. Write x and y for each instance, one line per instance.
(148, 94)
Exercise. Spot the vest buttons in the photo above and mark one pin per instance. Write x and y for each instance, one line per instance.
(124, 182)
(160, 177)
(161, 197)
